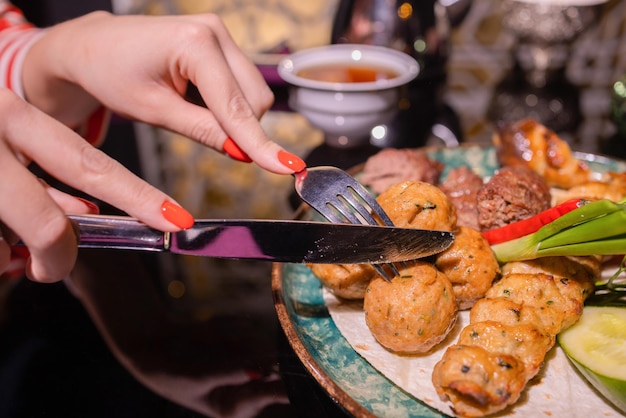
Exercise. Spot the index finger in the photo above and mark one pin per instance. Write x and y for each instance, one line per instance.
(70, 159)
(213, 67)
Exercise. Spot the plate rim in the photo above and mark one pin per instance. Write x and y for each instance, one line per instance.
(341, 397)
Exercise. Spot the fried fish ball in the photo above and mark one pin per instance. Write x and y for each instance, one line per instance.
(541, 291)
(477, 381)
(526, 342)
(517, 320)
(572, 278)
(416, 204)
(347, 281)
(585, 269)
(509, 312)
(413, 312)
(470, 264)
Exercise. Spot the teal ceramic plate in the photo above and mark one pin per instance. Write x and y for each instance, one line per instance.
(340, 370)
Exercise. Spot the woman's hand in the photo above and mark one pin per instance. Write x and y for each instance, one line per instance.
(35, 214)
(140, 67)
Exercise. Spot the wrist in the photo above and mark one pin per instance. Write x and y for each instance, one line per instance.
(47, 74)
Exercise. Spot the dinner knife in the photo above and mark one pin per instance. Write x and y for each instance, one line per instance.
(269, 240)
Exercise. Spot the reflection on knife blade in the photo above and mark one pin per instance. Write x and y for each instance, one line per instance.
(279, 241)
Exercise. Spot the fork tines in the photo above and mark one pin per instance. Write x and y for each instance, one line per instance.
(340, 198)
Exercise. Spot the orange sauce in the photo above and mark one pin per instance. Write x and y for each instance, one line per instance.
(340, 73)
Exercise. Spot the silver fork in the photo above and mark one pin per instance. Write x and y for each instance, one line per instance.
(340, 198)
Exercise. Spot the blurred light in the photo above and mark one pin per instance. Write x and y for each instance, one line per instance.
(405, 11)
(531, 100)
(379, 132)
(356, 55)
(620, 88)
(419, 45)
(176, 289)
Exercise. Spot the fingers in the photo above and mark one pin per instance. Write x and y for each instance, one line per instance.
(32, 212)
(249, 79)
(72, 204)
(242, 96)
(89, 169)
(161, 55)
(234, 92)
(26, 208)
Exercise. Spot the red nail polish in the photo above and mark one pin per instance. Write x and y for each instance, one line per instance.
(177, 215)
(291, 161)
(254, 374)
(19, 251)
(234, 152)
(91, 207)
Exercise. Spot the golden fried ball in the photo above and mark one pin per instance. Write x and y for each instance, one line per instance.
(470, 264)
(413, 312)
(347, 281)
(415, 204)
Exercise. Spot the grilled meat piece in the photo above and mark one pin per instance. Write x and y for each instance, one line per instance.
(390, 166)
(529, 143)
(461, 185)
(512, 194)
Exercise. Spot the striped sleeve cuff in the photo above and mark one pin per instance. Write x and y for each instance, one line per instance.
(14, 44)
(16, 37)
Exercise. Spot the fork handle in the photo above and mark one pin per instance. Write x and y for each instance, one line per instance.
(98, 231)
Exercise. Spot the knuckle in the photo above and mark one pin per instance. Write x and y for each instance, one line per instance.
(239, 108)
(143, 192)
(267, 99)
(95, 163)
(195, 34)
(206, 132)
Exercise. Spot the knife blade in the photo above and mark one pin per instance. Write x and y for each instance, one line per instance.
(268, 240)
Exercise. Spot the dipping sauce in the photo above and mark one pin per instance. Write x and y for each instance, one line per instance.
(341, 73)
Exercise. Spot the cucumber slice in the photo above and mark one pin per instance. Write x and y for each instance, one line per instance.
(596, 345)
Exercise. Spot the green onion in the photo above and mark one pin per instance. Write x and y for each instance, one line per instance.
(597, 228)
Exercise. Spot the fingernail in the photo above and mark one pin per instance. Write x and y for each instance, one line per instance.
(19, 251)
(91, 207)
(177, 215)
(291, 161)
(254, 374)
(234, 152)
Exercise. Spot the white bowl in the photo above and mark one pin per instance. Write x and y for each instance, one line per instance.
(347, 112)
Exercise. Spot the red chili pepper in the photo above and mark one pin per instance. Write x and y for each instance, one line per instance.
(528, 226)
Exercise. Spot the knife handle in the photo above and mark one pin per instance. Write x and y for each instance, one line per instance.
(97, 231)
